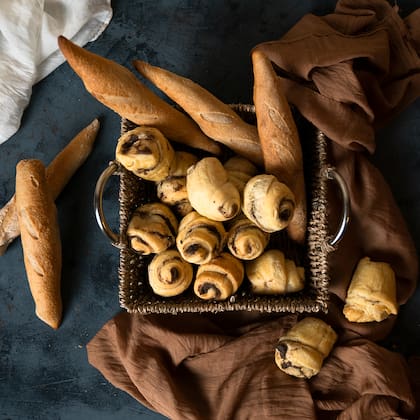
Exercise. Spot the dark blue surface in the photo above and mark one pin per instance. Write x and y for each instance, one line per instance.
(44, 374)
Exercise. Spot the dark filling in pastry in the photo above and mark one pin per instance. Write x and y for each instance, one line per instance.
(139, 148)
(192, 249)
(204, 288)
(174, 274)
(225, 213)
(285, 214)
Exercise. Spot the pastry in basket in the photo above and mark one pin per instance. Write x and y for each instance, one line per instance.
(169, 273)
(302, 350)
(173, 189)
(371, 295)
(272, 273)
(268, 203)
(119, 89)
(200, 239)
(210, 192)
(245, 239)
(152, 228)
(240, 171)
(146, 152)
(220, 278)
(215, 118)
(280, 143)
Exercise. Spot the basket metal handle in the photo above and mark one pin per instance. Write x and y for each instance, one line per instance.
(345, 198)
(98, 204)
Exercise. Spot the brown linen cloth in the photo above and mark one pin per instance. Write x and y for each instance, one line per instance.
(347, 72)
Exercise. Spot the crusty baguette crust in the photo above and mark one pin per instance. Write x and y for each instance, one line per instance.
(58, 173)
(118, 88)
(280, 143)
(215, 118)
(41, 242)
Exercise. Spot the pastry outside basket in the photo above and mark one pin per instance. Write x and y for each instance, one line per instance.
(135, 294)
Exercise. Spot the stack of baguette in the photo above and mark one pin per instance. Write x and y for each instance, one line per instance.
(31, 213)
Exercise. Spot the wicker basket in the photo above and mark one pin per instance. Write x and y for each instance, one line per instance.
(135, 293)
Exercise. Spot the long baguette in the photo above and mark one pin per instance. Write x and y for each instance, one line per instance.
(58, 173)
(41, 243)
(118, 88)
(215, 118)
(280, 143)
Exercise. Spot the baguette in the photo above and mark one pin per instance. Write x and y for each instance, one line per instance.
(215, 118)
(58, 173)
(118, 88)
(280, 143)
(41, 243)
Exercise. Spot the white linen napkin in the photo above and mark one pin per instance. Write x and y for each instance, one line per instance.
(28, 46)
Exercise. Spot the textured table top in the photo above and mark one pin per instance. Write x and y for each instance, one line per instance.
(45, 374)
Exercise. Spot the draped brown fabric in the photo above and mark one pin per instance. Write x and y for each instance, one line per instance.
(348, 72)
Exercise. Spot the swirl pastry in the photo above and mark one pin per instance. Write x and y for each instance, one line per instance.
(245, 239)
(371, 295)
(268, 203)
(169, 274)
(210, 192)
(302, 350)
(152, 228)
(173, 189)
(220, 278)
(200, 239)
(240, 170)
(272, 273)
(146, 152)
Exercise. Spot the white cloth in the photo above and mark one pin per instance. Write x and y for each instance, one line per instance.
(29, 50)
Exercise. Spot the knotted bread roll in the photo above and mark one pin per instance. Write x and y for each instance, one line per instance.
(199, 238)
(245, 239)
(152, 228)
(272, 273)
(268, 203)
(302, 350)
(220, 278)
(146, 152)
(210, 192)
(169, 274)
(372, 294)
(173, 189)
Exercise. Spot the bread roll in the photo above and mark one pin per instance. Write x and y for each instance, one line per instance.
(146, 152)
(268, 203)
(220, 278)
(58, 173)
(280, 143)
(372, 294)
(169, 274)
(216, 119)
(210, 192)
(41, 243)
(152, 228)
(271, 273)
(118, 88)
(302, 350)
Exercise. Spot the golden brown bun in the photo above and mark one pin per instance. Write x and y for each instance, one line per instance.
(58, 173)
(41, 243)
(215, 118)
(280, 143)
(372, 292)
(118, 88)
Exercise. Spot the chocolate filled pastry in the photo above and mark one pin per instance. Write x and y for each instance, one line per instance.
(302, 350)
(220, 278)
(173, 189)
(371, 295)
(272, 273)
(200, 239)
(240, 170)
(268, 203)
(169, 273)
(245, 239)
(152, 228)
(146, 152)
(210, 192)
